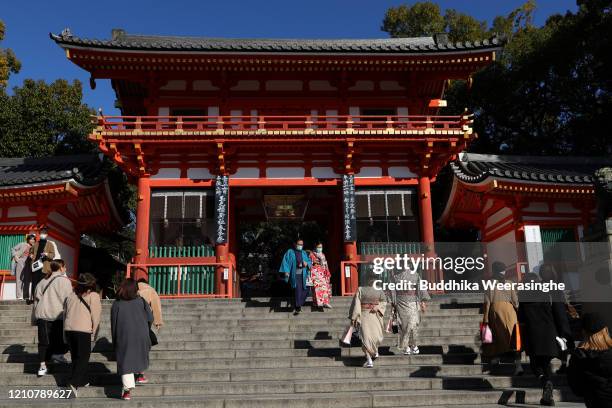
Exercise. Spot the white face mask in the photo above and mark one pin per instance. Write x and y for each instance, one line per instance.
(319, 250)
(43, 236)
(299, 247)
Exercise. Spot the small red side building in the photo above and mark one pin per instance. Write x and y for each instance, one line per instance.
(67, 194)
(513, 200)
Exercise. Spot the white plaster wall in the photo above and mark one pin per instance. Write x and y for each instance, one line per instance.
(246, 85)
(537, 206)
(401, 172)
(31, 222)
(203, 85)
(362, 86)
(61, 220)
(488, 205)
(566, 208)
(391, 86)
(285, 172)
(20, 211)
(369, 172)
(67, 253)
(319, 85)
(502, 249)
(246, 173)
(167, 173)
(213, 111)
(175, 85)
(284, 85)
(199, 174)
(324, 172)
(533, 246)
(499, 215)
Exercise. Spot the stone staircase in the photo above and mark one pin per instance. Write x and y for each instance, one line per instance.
(228, 353)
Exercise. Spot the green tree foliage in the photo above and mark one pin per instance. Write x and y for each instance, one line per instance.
(548, 92)
(422, 18)
(40, 119)
(8, 62)
(425, 18)
(551, 90)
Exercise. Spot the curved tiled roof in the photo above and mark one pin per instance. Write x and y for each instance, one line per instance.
(123, 41)
(85, 169)
(474, 168)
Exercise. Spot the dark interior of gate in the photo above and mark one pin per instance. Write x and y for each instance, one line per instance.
(271, 220)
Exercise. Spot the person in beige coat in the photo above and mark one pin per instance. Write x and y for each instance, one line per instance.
(82, 318)
(152, 298)
(499, 313)
(48, 314)
(366, 312)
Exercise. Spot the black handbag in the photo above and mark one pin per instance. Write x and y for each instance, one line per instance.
(152, 335)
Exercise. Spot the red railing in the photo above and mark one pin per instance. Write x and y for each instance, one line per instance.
(281, 123)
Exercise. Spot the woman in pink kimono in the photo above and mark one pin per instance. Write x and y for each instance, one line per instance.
(320, 275)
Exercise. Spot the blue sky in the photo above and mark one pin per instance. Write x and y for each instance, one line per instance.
(28, 27)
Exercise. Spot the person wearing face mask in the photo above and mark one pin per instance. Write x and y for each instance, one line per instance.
(43, 250)
(320, 276)
(500, 314)
(295, 268)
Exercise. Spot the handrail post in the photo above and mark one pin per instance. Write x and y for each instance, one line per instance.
(261, 124)
(128, 271)
(179, 123)
(389, 123)
(308, 125)
(178, 280)
(220, 124)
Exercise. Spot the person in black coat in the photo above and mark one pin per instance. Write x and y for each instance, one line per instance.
(539, 335)
(561, 312)
(131, 318)
(590, 368)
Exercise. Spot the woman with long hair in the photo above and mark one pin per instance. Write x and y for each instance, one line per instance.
(131, 318)
(320, 276)
(82, 317)
(590, 368)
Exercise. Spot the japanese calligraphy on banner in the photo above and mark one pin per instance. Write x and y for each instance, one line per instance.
(350, 213)
(221, 208)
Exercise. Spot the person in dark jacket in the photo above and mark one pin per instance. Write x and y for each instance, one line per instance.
(590, 368)
(561, 311)
(540, 335)
(131, 318)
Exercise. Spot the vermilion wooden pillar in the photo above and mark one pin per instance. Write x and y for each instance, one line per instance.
(426, 217)
(222, 255)
(350, 254)
(142, 226)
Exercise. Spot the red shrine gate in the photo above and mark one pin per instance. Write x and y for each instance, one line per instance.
(215, 129)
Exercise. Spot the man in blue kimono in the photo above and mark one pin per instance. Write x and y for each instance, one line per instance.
(296, 269)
